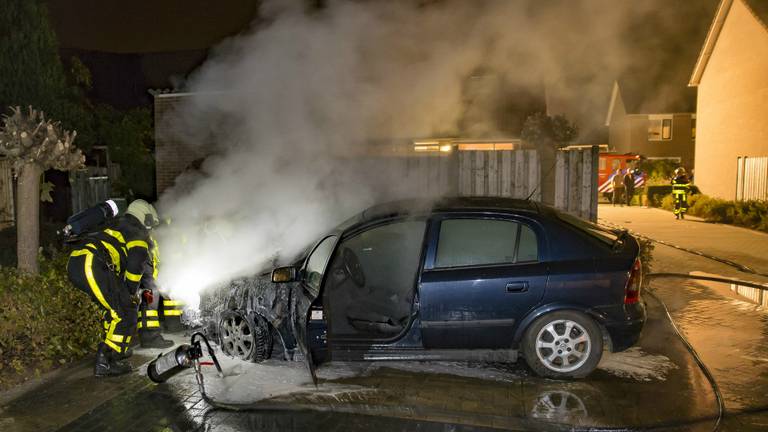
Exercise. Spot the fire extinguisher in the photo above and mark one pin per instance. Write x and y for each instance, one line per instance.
(185, 356)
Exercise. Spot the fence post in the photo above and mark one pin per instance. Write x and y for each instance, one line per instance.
(7, 210)
(561, 180)
(594, 159)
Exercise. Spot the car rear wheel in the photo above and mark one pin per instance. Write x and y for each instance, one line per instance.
(245, 337)
(563, 344)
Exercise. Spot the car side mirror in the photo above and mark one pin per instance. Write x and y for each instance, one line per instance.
(285, 274)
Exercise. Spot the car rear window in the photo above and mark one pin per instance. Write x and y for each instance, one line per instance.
(472, 242)
(603, 234)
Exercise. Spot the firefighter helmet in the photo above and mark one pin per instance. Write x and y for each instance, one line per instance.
(144, 212)
(680, 171)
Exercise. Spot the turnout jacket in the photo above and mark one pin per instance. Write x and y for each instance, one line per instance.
(124, 248)
(149, 277)
(680, 185)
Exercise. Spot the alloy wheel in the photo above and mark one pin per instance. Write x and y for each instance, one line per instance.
(237, 338)
(563, 345)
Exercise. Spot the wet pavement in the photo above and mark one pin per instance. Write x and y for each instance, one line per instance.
(730, 335)
(729, 331)
(653, 385)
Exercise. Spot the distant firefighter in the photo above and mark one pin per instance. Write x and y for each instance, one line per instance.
(629, 186)
(617, 181)
(680, 187)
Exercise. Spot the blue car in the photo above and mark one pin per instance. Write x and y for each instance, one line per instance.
(482, 279)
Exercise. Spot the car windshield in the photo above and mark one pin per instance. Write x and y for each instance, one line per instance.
(603, 234)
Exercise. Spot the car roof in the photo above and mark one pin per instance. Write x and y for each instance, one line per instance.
(425, 206)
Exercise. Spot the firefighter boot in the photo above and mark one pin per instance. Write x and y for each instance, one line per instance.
(153, 339)
(126, 355)
(107, 364)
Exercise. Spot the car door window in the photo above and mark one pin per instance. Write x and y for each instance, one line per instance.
(316, 263)
(473, 242)
(528, 246)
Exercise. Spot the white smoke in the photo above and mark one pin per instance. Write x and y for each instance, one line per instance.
(291, 107)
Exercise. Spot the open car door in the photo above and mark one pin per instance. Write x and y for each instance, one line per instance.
(305, 293)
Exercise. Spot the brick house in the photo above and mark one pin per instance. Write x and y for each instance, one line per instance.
(655, 127)
(731, 75)
(172, 155)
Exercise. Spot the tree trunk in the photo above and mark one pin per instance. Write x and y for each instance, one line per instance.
(28, 221)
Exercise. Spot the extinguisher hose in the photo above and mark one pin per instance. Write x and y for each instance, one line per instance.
(201, 382)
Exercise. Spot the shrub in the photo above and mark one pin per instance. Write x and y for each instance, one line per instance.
(659, 171)
(750, 214)
(44, 321)
(646, 255)
(656, 193)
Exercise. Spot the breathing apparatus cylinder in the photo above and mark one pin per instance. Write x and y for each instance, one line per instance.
(171, 363)
(90, 218)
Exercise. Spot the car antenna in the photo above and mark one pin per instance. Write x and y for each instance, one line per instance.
(536, 189)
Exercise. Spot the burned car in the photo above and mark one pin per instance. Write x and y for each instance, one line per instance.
(481, 279)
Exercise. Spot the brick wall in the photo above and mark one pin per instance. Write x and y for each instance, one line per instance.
(172, 155)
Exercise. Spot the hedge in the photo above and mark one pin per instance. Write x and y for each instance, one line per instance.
(749, 214)
(44, 321)
(657, 193)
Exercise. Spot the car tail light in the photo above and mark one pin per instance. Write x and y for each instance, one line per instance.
(634, 281)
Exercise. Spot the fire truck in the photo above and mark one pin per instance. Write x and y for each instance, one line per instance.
(608, 164)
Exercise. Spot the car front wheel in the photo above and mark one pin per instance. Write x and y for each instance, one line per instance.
(563, 344)
(245, 337)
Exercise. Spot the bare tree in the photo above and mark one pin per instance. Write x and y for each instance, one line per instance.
(34, 144)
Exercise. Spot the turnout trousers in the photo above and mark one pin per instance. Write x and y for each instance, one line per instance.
(681, 202)
(91, 274)
(149, 319)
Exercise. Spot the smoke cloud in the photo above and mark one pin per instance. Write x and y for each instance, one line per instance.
(290, 110)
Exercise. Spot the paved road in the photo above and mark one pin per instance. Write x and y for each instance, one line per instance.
(729, 332)
(746, 247)
(627, 391)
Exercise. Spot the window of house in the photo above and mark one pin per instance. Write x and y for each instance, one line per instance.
(659, 128)
(472, 242)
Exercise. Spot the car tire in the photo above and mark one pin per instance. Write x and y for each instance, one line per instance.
(563, 344)
(245, 336)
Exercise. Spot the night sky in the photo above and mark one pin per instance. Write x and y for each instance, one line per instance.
(132, 46)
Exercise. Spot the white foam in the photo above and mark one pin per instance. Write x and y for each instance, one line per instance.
(636, 364)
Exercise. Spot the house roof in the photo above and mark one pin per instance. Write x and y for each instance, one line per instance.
(641, 97)
(758, 8)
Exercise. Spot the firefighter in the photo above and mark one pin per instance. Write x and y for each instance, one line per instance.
(629, 186)
(171, 314)
(148, 319)
(108, 266)
(680, 187)
(617, 182)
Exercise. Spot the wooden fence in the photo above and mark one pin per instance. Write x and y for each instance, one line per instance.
(87, 189)
(751, 178)
(576, 181)
(7, 212)
(503, 173)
